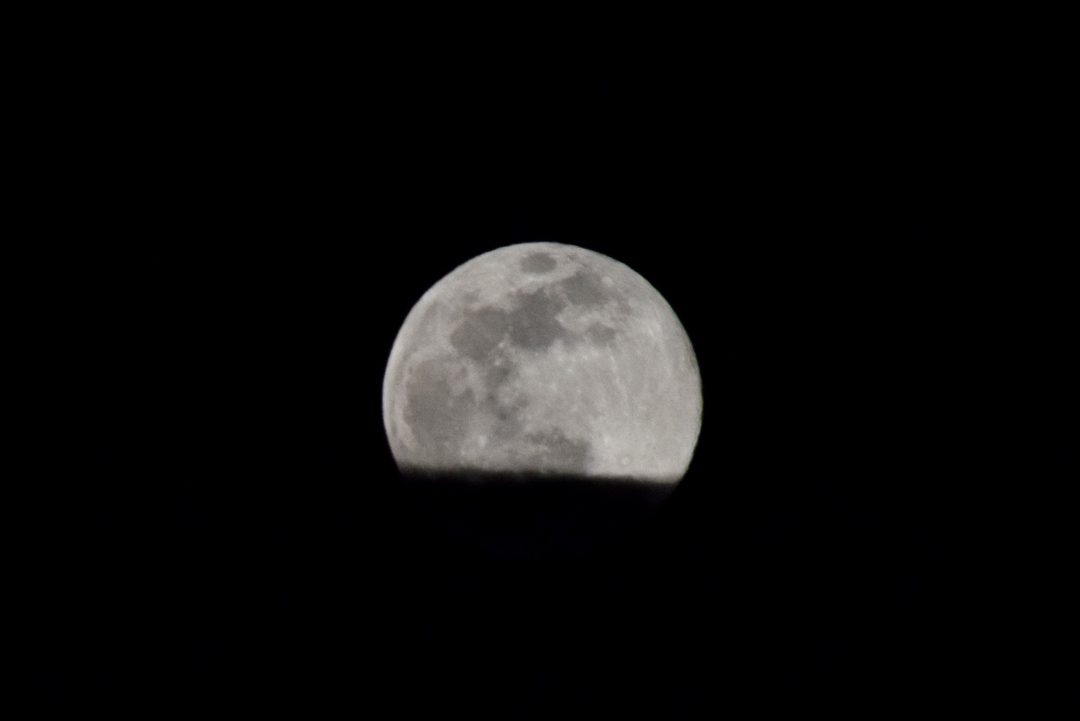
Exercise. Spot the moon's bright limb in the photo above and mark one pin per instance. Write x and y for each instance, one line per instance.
(543, 358)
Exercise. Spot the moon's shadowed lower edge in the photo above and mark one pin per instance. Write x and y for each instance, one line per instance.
(538, 515)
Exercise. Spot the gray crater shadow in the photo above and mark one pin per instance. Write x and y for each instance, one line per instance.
(535, 515)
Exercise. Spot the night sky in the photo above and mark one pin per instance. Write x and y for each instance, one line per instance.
(224, 523)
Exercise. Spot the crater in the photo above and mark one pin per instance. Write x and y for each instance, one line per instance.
(538, 264)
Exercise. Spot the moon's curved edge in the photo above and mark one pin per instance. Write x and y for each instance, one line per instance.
(428, 304)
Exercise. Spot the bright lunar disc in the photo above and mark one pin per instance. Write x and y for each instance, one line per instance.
(543, 359)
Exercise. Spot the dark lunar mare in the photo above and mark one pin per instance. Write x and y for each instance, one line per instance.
(438, 417)
(601, 334)
(532, 324)
(538, 263)
(480, 332)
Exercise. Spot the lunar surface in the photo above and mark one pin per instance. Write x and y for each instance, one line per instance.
(543, 358)
(543, 361)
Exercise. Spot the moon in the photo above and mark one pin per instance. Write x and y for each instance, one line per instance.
(545, 358)
(543, 361)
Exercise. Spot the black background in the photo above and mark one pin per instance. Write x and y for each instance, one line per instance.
(842, 233)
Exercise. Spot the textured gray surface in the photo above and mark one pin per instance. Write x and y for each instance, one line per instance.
(544, 358)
